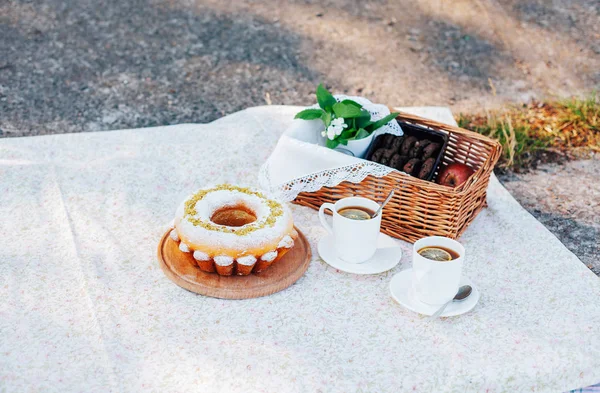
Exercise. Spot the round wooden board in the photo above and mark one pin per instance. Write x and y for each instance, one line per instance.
(180, 268)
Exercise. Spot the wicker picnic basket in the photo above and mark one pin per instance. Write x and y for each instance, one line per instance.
(421, 208)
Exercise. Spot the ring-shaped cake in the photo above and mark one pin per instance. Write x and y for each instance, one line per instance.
(233, 230)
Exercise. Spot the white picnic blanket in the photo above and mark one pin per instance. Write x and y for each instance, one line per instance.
(84, 305)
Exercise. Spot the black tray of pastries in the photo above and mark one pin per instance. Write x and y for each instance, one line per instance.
(417, 153)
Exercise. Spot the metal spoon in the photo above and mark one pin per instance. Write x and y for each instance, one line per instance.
(390, 195)
(462, 294)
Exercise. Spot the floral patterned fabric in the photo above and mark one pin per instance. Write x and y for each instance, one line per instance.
(84, 305)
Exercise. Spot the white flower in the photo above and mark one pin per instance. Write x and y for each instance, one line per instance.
(339, 121)
(331, 133)
(335, 128)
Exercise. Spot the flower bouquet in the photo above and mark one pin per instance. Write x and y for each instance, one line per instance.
(345, 121)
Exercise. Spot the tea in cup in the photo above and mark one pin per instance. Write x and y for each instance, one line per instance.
(437, 269)
(354, 230)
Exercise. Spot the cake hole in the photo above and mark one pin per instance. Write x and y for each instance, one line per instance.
(233, 216)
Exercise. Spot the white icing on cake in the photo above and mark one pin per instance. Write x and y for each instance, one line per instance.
(270, 256)
(201, 256)
(183, 247)
(174, 235)
(223, 260)
(286, 242)
(264, 237)
(247, 260)
(216, 200)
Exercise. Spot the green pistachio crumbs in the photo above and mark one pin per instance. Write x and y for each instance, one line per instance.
(190, 211)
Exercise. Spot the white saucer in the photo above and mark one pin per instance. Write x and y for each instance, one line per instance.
(387, 256)
(402, 292)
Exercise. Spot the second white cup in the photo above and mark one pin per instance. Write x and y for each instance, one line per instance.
(355, 241)
(436, 282)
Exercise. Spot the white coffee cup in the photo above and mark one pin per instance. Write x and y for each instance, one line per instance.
(355, 241)
(436, 282)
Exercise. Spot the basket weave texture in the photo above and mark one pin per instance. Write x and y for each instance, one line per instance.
(421, 208)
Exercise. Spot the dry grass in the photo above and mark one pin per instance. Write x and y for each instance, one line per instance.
(538, 131)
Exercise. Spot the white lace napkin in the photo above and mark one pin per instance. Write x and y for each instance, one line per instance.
(302, 163)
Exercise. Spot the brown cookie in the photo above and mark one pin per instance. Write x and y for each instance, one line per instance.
(412, 166)
(387, 140)
(426, 168)
(380, 141)
(377, 155)
(417, 149)
(397, 143)
(431, 150)
(388, 153)
(408, 143)
(397, 161)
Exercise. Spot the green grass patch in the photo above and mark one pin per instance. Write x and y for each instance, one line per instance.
(527, 130)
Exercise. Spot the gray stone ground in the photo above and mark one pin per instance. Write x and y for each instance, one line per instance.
(93, 65)
(566, 199)
(89, 65)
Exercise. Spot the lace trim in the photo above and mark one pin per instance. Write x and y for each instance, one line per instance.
(354, 173)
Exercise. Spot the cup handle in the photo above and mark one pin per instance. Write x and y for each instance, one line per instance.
(322, 216)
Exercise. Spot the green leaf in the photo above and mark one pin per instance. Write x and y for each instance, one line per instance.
(367, 126)
(346, 110)
(362, 133)
(326, 117)
(348, 133)
(310, 114)
(384, 121)
(353, 103)
(364, 120)
(332, 144)
(324, 98)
